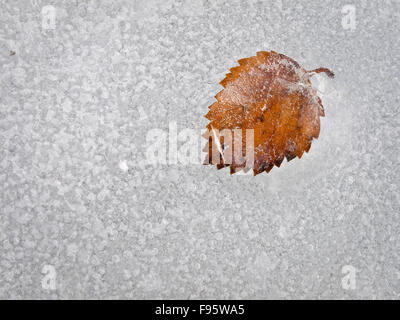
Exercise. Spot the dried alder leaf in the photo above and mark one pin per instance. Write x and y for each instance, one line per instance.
(271, 94)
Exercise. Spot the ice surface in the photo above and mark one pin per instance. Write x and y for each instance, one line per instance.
(83, 216)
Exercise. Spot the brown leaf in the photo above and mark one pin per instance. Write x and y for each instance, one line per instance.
(271, 94)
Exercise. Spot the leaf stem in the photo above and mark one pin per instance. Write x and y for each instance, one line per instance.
(328, 72)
